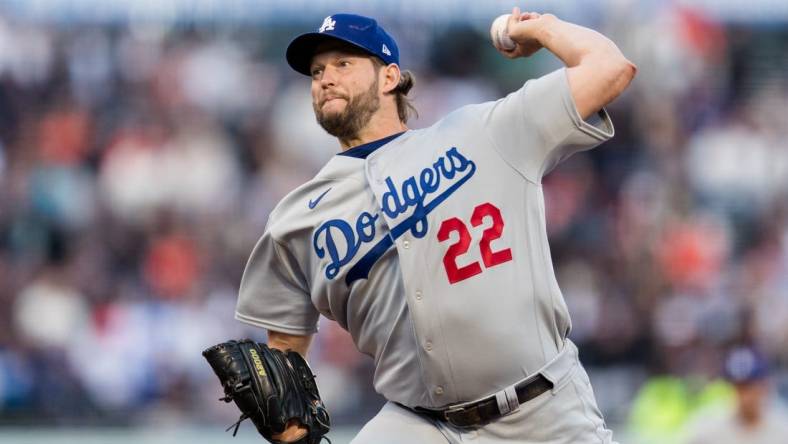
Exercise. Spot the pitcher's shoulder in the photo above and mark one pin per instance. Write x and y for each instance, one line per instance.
(296, 210)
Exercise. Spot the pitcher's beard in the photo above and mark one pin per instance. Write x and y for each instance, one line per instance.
(346, 124)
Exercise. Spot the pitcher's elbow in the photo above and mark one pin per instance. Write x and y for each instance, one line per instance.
(619, 76)
(624, 69)
(621, 73)
(615, 65)
(629, 70)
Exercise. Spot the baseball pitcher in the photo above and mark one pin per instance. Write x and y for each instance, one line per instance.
(429, 246)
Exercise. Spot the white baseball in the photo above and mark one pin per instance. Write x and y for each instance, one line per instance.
(499, 35)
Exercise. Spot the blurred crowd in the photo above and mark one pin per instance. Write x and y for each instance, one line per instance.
(138, 164)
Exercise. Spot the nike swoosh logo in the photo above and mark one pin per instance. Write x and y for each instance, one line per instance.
(313, 203)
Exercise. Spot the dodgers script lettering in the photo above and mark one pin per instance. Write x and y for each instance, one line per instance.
(340, 240)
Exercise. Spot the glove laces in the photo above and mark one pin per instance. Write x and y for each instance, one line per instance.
(237, 424)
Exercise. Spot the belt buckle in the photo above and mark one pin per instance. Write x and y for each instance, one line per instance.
(454, 410)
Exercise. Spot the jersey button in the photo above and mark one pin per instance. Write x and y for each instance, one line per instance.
(406, 244)
(418, 295)
(428, 346)
(439, 390)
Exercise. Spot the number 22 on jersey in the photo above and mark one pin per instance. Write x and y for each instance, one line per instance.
(489, 258)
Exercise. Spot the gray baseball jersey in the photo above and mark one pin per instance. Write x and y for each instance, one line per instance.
(430, 248)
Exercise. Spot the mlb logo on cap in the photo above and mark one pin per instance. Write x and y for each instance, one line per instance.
(328, 24)
(359, 31)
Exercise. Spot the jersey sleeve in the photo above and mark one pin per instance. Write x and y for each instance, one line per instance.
(274, 293)
(537, 126)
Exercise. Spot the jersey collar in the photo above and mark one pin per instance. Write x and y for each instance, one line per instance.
(362, 151)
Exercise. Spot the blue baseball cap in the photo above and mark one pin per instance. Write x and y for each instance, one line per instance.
(745, 364)
(357, 30)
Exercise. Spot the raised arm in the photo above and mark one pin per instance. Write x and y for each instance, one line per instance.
(597, 70)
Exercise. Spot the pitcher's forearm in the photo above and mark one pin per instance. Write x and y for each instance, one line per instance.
(597, 71)
(574, 43)
(285, 341)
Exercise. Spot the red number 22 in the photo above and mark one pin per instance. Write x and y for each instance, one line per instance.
(489, 258)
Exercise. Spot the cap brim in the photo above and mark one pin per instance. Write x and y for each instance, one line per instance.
(302, 48)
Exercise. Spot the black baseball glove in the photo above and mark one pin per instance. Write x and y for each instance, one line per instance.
(270, 387)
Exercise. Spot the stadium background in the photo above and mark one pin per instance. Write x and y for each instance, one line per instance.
(142, 145)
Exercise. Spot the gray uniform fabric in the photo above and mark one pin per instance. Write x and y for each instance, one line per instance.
(449, 320)
(565, 415)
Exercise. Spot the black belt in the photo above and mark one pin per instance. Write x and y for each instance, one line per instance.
(485, 410)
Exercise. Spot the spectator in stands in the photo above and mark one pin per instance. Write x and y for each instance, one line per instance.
(755, 420)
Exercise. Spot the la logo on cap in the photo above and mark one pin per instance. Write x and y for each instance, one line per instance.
(328, 24)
